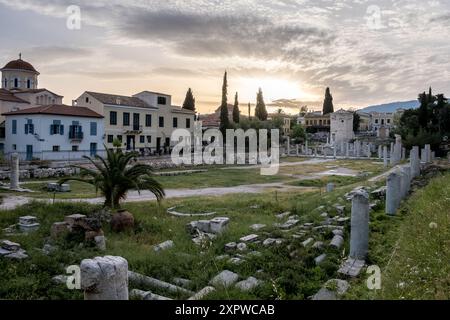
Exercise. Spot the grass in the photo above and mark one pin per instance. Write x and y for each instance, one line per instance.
(215, 177)
(411, 269)
(285, 277)
(322, 182)
(413, 248)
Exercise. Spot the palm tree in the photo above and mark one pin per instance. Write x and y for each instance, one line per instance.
(116, 175)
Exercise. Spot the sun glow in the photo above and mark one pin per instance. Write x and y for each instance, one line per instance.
(273, 89)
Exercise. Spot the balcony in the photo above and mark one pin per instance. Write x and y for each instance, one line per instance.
(76, 133)
(137, 129)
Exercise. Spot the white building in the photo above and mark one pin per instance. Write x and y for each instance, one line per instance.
(54, 132)
(341, 126)
(19, 82)
(143, 122)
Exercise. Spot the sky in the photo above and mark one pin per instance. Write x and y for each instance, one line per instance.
(367, 52)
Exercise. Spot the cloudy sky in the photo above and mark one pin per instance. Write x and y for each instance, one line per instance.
(368, 52)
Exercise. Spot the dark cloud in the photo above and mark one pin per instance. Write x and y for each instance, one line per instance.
(220, 35)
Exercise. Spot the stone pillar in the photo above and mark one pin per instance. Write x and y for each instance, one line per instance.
(369, 150)
(428, 153)
(330, 187)
(405, 183)
(391, 154)
(393, 192)
(403, 154)
(414, 162)
(359, 233)
(335, 152)
(358, 149)
(347, 150)
(288, 147)
(298, 150)
(423, 156)
(433, 156)
(380, 152)
(105, 278)
(342, 148)
(14, 176)
(385, 156)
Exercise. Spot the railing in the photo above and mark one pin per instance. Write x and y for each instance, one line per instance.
(76, 135)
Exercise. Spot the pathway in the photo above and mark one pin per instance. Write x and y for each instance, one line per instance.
(15, 201)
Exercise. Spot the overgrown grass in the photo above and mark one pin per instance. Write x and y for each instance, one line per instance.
(322, 182)
(413, 248)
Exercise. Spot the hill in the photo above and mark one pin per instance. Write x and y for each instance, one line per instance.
(392, 107)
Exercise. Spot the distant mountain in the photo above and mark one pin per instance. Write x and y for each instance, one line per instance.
(392, 107)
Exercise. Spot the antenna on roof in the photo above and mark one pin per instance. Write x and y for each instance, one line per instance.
(20, 56)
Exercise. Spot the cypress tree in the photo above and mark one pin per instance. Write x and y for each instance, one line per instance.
(236, 112)
(224, 121)
(189, 101)
(423, 110)
(249, 112)
(260, 111)
(328, 102)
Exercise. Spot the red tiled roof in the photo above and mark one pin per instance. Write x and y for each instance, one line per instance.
(20, 65)
(61, 110)
(6, 95)
(118, 100)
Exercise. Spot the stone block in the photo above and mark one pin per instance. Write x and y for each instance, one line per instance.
(59, 229)
(225, 279)
(248, 285)
(218, 225)
(249, 238)
(164, 246)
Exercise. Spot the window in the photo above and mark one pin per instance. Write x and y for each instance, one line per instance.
(162, 100)
(142, 139)
(126, 119)
(76, 131)
(87, 99)
(161, 122)
(149, 139)
(93, 129)
(175, 122)
(14, 127)
(148, 120)
(136, 122)
(6, 83)
(119, 137)
(376, 121)
(188, 123)
(75, 148)
(29, 84)
(29, 127)
(56, 148)
(56, 128)
(113, 118)
(388, 120)
(16, 83)
(110, 138)
(14, 147)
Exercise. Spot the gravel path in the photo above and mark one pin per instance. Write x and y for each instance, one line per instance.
(15, 201)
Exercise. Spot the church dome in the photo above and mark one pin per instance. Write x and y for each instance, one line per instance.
(20, 65)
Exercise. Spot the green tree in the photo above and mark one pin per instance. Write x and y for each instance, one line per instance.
(224, 120)
(116, 175)
(423, 110)
(328, 102)
(260, 111)
(189, 101)
(298, 133)
(236, 112)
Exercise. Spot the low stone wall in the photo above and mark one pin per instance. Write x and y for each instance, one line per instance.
(40, 173)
